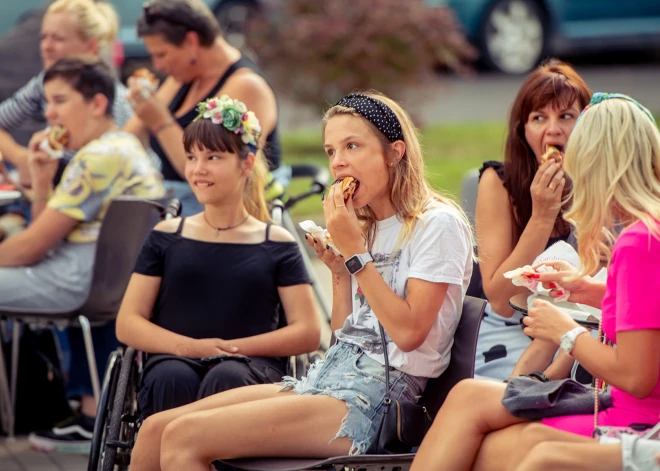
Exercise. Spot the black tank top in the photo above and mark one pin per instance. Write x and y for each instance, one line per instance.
(272, 149)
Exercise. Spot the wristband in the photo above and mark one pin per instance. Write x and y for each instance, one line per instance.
(538, 375)
(160, 127)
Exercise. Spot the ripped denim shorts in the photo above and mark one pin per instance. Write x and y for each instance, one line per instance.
(348, 374)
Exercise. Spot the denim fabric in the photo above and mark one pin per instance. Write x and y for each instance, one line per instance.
(349, 375)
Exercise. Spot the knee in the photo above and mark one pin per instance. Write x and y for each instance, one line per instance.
(225, 376)
(472, 392)
(541, 457)
(533, 434)
(177, 443)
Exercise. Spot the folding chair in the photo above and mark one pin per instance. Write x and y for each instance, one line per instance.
(125, 227)
(461, 367)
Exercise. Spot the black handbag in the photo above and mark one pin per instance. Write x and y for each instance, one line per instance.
(404, 423)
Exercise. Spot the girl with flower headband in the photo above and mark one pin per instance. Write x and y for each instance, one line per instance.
(413, 249)
(211, 286)
(613, 158)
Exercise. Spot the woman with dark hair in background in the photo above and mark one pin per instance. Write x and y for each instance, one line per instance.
(185, 43)
(519, 206)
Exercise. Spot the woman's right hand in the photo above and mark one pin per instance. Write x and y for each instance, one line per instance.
(334, 262)
(204, 348)
(581, 289)
(547, 190)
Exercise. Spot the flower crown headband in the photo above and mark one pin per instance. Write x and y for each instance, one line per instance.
(600, 97)
(234, 117)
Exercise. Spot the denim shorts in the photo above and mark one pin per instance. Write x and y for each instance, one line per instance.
(349, 375)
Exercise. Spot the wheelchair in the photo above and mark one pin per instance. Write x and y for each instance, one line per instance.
(118, 420)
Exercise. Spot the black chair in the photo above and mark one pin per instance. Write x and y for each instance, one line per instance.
(125, 227)
(461, 367)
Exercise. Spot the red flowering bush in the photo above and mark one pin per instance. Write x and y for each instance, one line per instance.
(318, 50)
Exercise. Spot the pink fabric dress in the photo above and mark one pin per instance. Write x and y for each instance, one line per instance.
(631, 302)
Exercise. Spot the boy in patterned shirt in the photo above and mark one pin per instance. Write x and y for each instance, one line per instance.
(49, 265)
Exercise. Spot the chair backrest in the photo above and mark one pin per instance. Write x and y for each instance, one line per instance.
(124, 230)
(469, 186)
(463, 355)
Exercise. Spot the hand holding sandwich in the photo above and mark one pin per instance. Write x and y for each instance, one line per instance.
(341, 220)
(151, 111)
(547, 189)
(42, 167)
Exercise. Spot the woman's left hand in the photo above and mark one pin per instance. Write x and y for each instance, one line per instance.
(342, 223)
(547, 322)
(151, 111)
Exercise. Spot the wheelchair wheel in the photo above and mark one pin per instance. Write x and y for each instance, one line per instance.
(105, 401)
(123, 424)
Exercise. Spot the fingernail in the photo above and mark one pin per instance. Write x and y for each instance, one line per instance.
(322, 196)
(315, 241)
(559, 293)
(536, 275)
(552, 285)
(327, 247)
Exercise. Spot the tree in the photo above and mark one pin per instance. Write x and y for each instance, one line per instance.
(317, 51)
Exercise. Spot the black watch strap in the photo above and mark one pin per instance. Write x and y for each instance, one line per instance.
(538, 375)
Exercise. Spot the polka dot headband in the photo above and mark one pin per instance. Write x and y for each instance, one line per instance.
(376, 112)
(600, 97)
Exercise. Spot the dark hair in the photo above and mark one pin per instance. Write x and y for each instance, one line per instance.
(88, 75)
(173, 19)
(552, 82)
(203, 133)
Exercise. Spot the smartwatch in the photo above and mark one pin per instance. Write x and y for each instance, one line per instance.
(357, 262)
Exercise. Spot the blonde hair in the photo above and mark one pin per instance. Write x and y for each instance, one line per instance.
(254, 197)
(613, 158)
(93, 20)
(410, 193)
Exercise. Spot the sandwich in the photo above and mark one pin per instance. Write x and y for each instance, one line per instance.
(55, 142)
(146, 80)
(551, 151)
(349, 186)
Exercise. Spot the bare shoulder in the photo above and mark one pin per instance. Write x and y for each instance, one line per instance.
(279, 234)
(168, 225)
(492, 193)
(246, 84)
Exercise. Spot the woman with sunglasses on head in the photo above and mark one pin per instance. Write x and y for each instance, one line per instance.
(186, 45)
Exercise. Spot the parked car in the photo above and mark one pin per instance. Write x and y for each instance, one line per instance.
(514, 35)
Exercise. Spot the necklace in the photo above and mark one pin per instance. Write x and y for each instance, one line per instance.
(218, 229)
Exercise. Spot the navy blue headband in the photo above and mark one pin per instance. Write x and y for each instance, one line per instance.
(376, 112)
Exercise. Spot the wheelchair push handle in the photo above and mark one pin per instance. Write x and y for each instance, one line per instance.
(320, 181)
(173, 209)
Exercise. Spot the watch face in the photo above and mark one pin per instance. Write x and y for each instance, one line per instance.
(353, 264)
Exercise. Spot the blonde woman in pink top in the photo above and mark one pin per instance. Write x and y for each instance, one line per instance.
(613, 159)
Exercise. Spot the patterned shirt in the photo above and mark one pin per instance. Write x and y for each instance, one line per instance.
(113, 165)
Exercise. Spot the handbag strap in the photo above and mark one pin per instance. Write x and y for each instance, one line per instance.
(597, 385)
(387, 399)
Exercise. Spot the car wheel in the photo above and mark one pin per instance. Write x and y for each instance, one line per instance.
(233, 16)
(513, 36)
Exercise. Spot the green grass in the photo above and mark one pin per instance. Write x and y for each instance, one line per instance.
(449, 150)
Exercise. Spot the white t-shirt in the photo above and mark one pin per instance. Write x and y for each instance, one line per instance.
(439, 251)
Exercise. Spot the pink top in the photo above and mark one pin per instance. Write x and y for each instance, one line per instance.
(632, 302)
